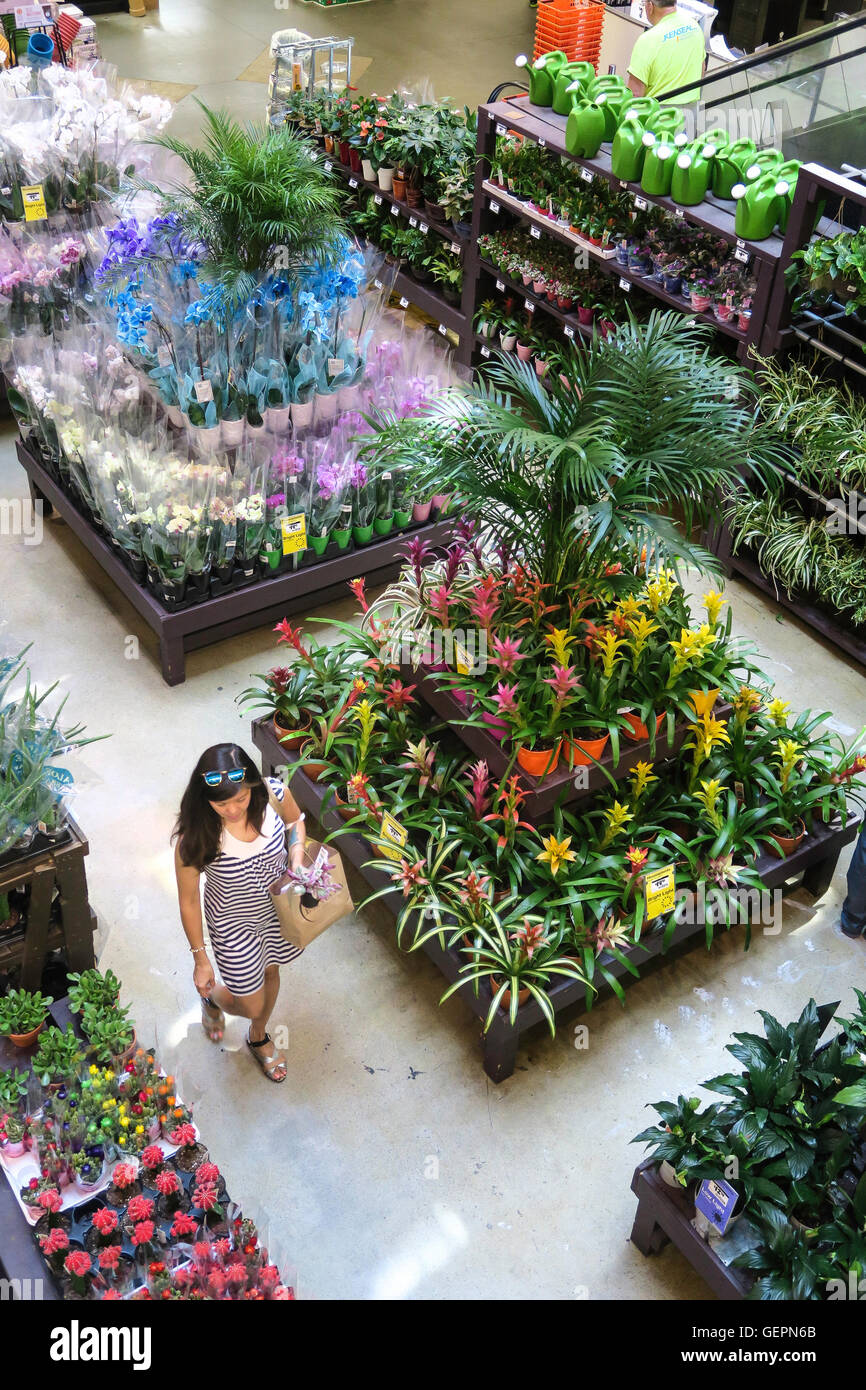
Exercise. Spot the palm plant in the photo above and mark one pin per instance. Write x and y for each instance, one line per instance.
(563, 474)
(257, 201)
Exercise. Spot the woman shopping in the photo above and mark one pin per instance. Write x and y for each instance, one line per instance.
(232, 830)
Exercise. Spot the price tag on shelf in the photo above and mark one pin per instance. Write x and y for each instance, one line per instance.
(404, 303)
(396, 835)
(494, 206)
(542, 144)
(314, 155)
(462, 659)
(378, 284)
(328, 166)
(203, 392)
(456, 248)
(679, 212)
(624, 284)
(741, 255)
(395, 211)
(568, 331)
(377, 199)
(353, 183)
(485, 352)
(442, 329)
(536, 232)
(716, 1200)
(294, 531)
(530, 307)
(413, 221)
(586, 175)
(741, 245)
(423, 227)
(660, 892)
(500, 285)
(501, 129)
(640, 203)
(33, 198)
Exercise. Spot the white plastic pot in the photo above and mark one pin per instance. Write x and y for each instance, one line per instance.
(348, 397)
(207, 437)
(232, 433)
(326, 405)
(386, 179)
(368, 170)
(277, 418)
(508, 342)
(302, 414)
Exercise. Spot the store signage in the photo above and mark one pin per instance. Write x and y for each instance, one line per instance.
(396, 835)
(716, 1200)
(29, 17)
(33, 199)
(660, 892)
(294, 529)
(462, 659)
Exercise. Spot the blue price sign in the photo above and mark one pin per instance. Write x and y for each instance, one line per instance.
(716, 1200)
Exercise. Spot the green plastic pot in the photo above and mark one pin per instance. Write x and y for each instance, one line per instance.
(362, 535)
(383, 525)
(273, 558)
(319, 543)
(402, 519)
(342, 537)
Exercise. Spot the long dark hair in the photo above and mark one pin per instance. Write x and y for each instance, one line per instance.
(198, 828)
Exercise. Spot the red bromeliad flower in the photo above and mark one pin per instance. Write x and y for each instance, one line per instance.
(356, 790)
(399, 696)
(109, 1257)
(853, 770)
(613, 569)
(142, 1233)
(124, 1175)
(357, 588)
(78, 1263)
(105, 1221)
(473, 889)
(511, 797)
(484, 600)
(637, 859)
(479, 788)
(152, 1157)
(140, 1209)
(183, 1225)
(439, 601)
(506, 654)
(279, 677)
(167, 1183)
(529, 937)
(292, 635)
(411, 876)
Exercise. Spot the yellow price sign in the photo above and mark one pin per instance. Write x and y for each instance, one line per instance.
(294, 529)
(462, 659)
(660, 891)
(396, 833)
(33, 199)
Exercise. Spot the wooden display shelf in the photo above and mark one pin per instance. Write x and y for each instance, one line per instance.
(357, 183)
(813, 864)
(60, 867)
(665, 1215)
(265, 601)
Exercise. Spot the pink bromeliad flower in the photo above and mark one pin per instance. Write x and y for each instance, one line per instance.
(562, 683)
(439, 601)
(484, 600)
(479, 784)
(506, 654)
(506, 700)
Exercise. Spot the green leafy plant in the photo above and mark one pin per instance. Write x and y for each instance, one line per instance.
(109, 1031)
(58, 1056)
(93, 989)
(21, 1011)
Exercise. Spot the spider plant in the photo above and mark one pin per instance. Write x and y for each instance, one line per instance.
(255, 193)
(591, 462)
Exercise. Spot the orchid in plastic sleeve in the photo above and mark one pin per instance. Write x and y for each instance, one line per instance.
(363, 494)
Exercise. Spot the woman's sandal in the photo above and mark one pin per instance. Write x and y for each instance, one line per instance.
(270, 1063)
(213, 1021)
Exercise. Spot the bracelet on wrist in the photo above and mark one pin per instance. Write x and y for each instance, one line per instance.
(195, 949)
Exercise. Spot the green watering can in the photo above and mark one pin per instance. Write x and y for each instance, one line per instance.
(715, 142)
(640, 107)
(609, 91)
(584, 131)
(542, 74)
(692, 174)
(667, 121)
(759, 206)
(729, 165)
(629, 150)
(788, 173)
(574, 77)
(764, 162)
(658, 165)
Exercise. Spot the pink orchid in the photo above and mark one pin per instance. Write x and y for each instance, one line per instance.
(507, 653)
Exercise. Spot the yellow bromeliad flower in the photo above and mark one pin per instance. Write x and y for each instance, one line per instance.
(789, 755)
(628, 608)
(367, 717)
(708, 798)
(778, 711)
(556, 853)
(707, 732)
(641, 630)
(703, 702)
(617, 817)
(714, 603)
(560, 642)
(609, 648)
(667, 584)
(641, 777)
(746, 702)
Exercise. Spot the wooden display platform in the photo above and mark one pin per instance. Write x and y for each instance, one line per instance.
(265, 601)
(812, 865)
(61, 867)
(665, 1215)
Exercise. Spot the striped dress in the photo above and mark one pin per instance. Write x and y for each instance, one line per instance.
(240, 916)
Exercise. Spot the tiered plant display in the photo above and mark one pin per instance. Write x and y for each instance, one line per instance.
(789, 1135)
(575, 638)
(103, 1156)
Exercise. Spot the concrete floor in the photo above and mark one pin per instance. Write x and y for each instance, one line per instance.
(528, 1196)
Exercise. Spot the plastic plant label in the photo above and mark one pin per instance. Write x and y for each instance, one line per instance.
(660, 892)
(33, 198)
(741, 245)
(536, 232)
(442, 328)
(739, 791)
(623, 183)
(501, 129)
(568, 331)
(456, 248)
(494, 206)
(741, 254)
(462, 659)
(163, 355)
(679, 212)
(413, 221)
(485, 352)
(294, 530)
(586, 175)
(396, 835)
(542, 144)
(404, 303)
(500, 284)
(423, 227)
(624, 284)
(203, 392)
(353, 183)
(716, 1200)
(640, 203)
(377, 199)
(335, 366)
(530, 307)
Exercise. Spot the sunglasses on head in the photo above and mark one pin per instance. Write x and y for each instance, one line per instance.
(213, 779)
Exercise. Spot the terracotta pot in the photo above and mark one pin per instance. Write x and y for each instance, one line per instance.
(398, 188)
(505, 1001)
(329, 144)
(25, 1039)
(541, 367)
(580, 752)
(292, 738)
(539, 762)
(786, 844)
(314, 770)
(524, 351)
(640, 731)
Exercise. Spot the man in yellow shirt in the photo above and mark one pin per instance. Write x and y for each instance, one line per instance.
(670, 54)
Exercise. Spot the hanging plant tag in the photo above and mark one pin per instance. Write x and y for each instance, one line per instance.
(353, 183)
(456, 248)
(395, 211)
(203, 392)
(163, 355)
(741, 255)
(500, 284)
(396, 834)
(335, 366)
(530, 307)
(377, 199)
(640, 203)
(33, 198)
(716, 1200)
(494, 206)
(294, 531)
(422, 227)
(660, 892)
(586, 175)
(624, 284)
(485, 352)
(536, 232)
(404, 303)
(542, 144)
(413, 221)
